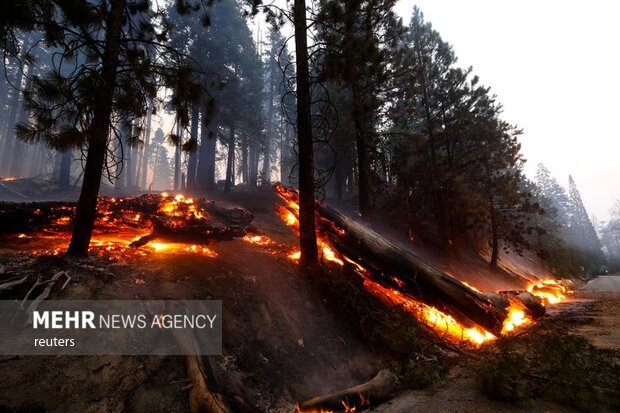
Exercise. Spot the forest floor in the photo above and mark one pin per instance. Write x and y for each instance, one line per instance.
(283, 341)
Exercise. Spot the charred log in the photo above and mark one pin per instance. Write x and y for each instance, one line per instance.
(393, 266)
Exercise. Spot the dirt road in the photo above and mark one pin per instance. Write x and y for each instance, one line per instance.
(605, 283)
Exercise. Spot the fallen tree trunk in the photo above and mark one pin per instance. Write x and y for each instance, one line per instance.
(363, 395)
(399, 268)
(189, 233)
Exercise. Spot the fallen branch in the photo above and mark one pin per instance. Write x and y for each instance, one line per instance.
(13, 283)
(363, 395)
(45, 293)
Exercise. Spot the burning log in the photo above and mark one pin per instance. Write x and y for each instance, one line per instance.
(392, 267)
(173, 219)
(189, 233)
(353, 398)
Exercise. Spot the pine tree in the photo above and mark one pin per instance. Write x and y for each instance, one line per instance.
(551, 189)
(357, 35)
(585, 236)
(307, 229)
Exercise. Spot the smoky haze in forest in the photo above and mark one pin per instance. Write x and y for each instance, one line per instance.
(552, 65)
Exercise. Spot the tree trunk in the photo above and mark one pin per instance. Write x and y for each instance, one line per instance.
(253, 162)
(86, 210)
(268, 139)
(120, 155)
(19, 147)
(144, 170)
(244, 160)
(494, 236)
(193, 154)
(353, 81)
(9, 138)
(129, 174)
(206, 160)
(307, 229)
(423, 282)
(177, 159)
(230, 174)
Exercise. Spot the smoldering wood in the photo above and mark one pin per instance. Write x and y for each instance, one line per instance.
(397, 267)
(218, 221)
(366, 394)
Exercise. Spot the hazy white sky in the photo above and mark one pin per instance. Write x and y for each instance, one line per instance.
(555, 67)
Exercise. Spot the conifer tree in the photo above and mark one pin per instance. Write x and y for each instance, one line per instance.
(580, 223)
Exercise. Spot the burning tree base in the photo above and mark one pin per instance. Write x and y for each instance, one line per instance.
(402, 278)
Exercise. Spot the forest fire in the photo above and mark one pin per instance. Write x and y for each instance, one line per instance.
(549, 290)
(129, 227)
(161, 223)
(517, 308)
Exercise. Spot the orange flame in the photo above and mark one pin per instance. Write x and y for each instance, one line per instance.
(550, 291)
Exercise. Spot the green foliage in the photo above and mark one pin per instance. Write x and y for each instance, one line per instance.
(563, 368)
(422, 374)
(453, 161)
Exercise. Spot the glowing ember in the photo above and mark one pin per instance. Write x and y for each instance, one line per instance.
(257, 239)
(295, 256)
(158, 246)
(201, 250)
(119, 227)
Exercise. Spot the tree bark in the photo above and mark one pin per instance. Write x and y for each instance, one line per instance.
(231, 159)
(494, 236)
(144, 169)
(268, 138)
(192, 156)
(244, 160)
(19, 147)
(307, 229)
(99, 129)
(9, 138)
(177, 159)
(206, 160)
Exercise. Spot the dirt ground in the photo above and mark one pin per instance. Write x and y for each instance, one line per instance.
(281, 342)
(592, 312)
